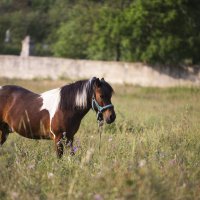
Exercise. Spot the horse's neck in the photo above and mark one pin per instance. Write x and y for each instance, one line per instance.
(77, 113)
(82, 112)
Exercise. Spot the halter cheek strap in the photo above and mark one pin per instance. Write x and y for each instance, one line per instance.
(99, 108)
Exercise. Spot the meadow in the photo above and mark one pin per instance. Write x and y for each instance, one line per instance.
(152, 151)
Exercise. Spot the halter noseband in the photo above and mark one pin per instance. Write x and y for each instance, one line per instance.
(99, 108)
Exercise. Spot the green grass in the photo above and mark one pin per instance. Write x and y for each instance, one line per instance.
(152, 151)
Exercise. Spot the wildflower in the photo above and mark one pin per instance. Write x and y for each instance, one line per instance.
(89, 154)
(173, 161)
(142, 163)
(75, 149)
(14, 195)
(98, 197)
(184, 185)
(50, 175)
(31, 166)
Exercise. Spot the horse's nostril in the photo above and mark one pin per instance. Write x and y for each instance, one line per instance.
(112, 117)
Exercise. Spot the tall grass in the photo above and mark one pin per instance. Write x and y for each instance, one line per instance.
(152, 151)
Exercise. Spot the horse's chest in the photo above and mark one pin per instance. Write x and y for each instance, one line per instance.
(72, 124)
(66, 122)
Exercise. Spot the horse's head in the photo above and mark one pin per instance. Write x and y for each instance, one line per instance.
(101, 101)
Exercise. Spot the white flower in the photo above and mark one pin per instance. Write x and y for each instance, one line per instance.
(142, 163)
(89, 154)
(50, 175)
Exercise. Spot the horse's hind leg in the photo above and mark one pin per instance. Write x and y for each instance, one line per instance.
(3, 138)
(5, 130)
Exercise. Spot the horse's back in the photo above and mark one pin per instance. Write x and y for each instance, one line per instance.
(8, 90)
(12, 94)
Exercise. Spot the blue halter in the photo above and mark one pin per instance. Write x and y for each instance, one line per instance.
(99, 108)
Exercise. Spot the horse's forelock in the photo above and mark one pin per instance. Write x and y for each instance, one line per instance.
(107, 87)
(103, 84)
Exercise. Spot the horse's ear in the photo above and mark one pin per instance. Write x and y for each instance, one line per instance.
(102, 79)
(97, 82)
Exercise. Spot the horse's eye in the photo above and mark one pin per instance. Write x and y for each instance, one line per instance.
(102, 96)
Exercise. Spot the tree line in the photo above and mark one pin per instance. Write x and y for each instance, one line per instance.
(151, 31)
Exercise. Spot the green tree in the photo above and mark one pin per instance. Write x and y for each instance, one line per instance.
(160, 31)
(105, 43)
(74, 34)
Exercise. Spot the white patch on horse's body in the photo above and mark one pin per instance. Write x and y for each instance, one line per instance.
(81, 96)
(51, 100)
(0, 87)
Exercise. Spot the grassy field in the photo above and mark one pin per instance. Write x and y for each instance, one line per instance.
(152, 151)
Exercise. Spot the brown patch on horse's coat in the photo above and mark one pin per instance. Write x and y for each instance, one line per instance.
(21, 110)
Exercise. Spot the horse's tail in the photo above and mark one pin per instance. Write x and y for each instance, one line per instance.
(1, 103)
(4, 127)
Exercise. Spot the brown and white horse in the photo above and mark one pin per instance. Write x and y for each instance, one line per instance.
(53, 114)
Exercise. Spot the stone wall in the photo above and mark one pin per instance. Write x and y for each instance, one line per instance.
(114, 72)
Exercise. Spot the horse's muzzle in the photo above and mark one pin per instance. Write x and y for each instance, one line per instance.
(111, 118)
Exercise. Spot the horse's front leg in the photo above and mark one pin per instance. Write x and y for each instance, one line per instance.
(69, 143)
(59, 146)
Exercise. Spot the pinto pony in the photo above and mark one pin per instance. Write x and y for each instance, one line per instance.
(54, 114)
